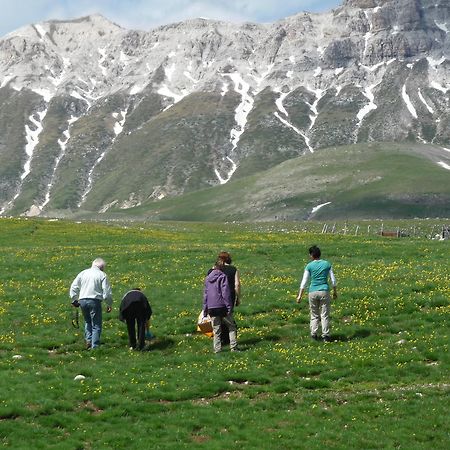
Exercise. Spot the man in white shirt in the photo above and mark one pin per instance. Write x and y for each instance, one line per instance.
(88, 290)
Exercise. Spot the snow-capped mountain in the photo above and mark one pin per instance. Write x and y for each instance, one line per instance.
(94, 117)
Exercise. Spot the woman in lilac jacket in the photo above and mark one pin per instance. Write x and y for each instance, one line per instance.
(218, 303)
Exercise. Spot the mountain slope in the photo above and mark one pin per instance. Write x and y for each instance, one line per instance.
(93, 116)
(378, 180)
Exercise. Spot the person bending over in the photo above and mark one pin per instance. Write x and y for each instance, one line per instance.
(135, 310)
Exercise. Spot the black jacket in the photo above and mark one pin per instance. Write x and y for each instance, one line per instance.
(132, 297)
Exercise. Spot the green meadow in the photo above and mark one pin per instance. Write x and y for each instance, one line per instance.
(383, 383)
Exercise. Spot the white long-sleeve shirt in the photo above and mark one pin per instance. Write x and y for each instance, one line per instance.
(91, 283)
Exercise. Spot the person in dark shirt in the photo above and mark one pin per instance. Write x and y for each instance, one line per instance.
(135, 310)
(218, 304)
(234, 283)
(233, 277)
(232, 274)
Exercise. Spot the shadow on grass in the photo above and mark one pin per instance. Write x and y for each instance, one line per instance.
(159, 344)
(358, 334)
(250, 342)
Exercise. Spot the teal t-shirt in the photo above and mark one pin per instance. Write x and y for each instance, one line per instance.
(318, 272)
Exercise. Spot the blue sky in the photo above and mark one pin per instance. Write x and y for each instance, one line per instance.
(147, 14)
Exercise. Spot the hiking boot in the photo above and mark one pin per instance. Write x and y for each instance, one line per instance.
(326, 338)
(315, 337)
(88, 345)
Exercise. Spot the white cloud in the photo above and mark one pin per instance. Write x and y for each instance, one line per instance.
(147, 14)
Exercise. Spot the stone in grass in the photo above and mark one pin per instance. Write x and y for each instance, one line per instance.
(79, 378)
(17, 357)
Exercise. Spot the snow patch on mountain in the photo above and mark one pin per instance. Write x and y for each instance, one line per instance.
(263, 76)
(444, 165)
(293, 127)
(408, 102)
(6, 80)
(57, 80)
(225, 89)
(442, 26)
(369, 33)
(137, 89)
(435, 63)
(241, 114)
(229, 174)
(319, 93)
(63, 145)
(124, 59)
(118, 126)
(169, 71)
(166, 92)
(190, 77)
(32, 138)
(45, 93)
(40, 30)
(316, 208)
(371, 106)
(439, 87)
(77, 95)
(422, 99)
(243, 109)
(101, 61)
(279, 102)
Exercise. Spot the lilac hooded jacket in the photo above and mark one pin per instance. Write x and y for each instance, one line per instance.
(217, 292)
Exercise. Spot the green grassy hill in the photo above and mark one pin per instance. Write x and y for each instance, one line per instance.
(360, 181)
(381, 384)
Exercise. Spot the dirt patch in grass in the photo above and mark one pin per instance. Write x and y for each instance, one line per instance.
(91, 407)
(200, 439)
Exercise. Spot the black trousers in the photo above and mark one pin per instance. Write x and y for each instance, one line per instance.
(135, 315)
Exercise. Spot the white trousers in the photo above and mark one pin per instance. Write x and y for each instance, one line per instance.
(320, 307)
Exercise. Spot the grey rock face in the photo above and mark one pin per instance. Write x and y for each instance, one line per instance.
(94, 116)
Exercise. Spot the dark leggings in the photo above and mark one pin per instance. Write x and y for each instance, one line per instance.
(135, 314)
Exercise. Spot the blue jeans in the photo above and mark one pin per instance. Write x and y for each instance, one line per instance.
(92, 313)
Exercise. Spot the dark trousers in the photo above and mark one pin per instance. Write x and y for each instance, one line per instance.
(135, 314)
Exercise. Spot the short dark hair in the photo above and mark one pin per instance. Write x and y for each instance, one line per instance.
(225, 257)
(314, 251)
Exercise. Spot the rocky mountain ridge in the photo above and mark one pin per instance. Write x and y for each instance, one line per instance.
(93, 116)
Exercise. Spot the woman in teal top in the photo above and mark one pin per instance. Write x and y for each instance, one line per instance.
(317, 273)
